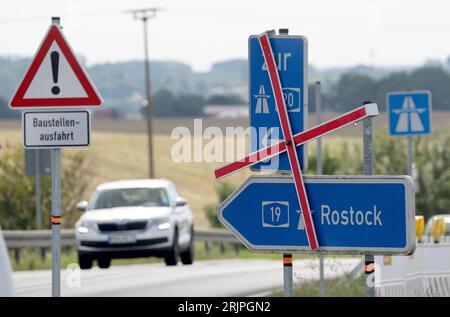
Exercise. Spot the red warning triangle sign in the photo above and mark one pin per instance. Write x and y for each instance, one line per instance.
(55, 78)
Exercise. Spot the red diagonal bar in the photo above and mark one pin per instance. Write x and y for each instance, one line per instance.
(289, 140)
(299, 139)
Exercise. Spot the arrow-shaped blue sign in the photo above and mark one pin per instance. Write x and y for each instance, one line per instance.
(352, 214)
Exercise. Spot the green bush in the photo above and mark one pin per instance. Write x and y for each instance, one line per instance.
(330, 164)
(431, 156)
(223, 190)
(17, 191)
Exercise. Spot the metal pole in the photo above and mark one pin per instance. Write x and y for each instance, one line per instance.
(287, 274)
(149, 105)
(144, 15)
(369, 268)
(56, 215)
(319, 120)
(37, 186)
(319, 164)
(56, 221)
(410, 155)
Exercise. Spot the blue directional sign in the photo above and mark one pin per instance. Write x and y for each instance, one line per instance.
(290, 54)
(352, 215)
(409, 112)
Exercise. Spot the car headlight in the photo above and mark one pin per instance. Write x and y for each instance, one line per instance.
(85, 226)
(163, 224)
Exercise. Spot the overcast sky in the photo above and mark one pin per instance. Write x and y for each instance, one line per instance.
(199, 33)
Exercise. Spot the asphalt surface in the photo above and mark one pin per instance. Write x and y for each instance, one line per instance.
(204, 278)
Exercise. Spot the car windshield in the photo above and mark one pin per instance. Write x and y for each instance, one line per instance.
(127, 197)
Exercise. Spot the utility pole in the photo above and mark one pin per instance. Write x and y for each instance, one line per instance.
(319, 171)
(144, 15)
(369, 261)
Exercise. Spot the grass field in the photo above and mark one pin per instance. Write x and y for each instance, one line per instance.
(164, 126)
(117, 155)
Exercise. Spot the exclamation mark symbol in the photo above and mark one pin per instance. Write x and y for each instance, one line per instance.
(54, 56)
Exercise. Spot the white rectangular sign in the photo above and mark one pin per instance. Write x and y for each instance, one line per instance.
(55, 129)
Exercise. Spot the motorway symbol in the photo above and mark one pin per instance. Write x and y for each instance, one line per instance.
(352, 214)
(261, 101)
(290, 54)
(55, 78)
(56, 129)
(283, 117)
(409, 112)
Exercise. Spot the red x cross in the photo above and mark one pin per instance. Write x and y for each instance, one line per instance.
(291, 141)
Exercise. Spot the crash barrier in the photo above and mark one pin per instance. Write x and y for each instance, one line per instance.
(42, 239)
(424, 273)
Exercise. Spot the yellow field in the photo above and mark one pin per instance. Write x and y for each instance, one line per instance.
(113, 156)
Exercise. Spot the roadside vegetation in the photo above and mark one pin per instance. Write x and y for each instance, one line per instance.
(344, 286)
(33, 259)
(431, 156)
(17, 191)
(109, 159)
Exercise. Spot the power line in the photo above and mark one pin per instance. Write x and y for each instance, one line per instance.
(144, 15)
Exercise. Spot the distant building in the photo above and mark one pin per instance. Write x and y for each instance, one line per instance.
(226, 111)
(112, 113)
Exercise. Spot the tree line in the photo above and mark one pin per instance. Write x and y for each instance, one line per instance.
(350, 90)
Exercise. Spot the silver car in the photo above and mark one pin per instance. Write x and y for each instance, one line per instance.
(135, 218)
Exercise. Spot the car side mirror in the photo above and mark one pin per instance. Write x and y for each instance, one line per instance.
(82, 205)
(180, 201)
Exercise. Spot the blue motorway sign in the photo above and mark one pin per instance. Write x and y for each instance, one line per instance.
(352, 215)
(290, 54)
(409, 112)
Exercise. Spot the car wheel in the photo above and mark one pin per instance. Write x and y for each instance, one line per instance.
(187, 256)
(104, 263)
(171, 257)
(85, 261)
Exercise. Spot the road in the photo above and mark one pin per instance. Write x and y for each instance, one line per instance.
(204, 278)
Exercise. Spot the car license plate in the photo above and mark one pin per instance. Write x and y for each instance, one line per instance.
(122, 239)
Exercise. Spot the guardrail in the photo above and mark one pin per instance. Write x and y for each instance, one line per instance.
(42, 239)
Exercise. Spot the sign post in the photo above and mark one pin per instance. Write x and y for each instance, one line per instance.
(410, 155)
(56, 222)
(37, 189)
(319, 171)
(56, 211)
(287, 275)
(369, 266)
(38, 163)
(55, 80)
